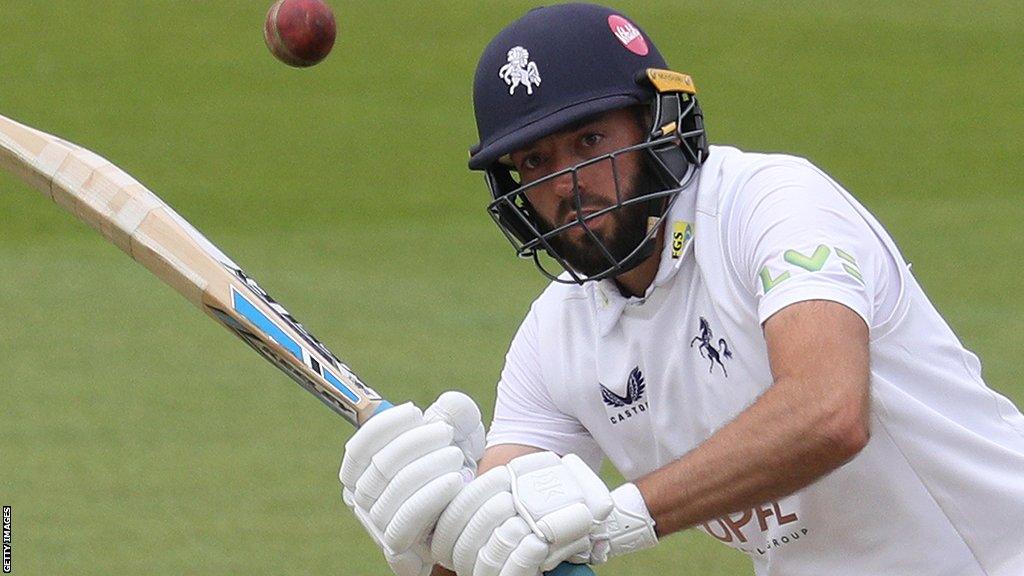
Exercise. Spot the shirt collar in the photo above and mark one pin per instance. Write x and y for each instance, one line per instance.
(609, 303)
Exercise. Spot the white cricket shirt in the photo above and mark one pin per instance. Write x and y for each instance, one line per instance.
(939, 488)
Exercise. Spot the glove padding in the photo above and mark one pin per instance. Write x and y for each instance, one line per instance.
(536, 512)
(403, 467)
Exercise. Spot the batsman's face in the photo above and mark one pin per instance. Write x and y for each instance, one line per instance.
(554, 200)
(576, 195)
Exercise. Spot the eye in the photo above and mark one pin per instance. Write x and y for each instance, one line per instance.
(592, 139)
(531, 162)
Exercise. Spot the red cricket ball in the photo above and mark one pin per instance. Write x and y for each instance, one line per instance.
(300, 32)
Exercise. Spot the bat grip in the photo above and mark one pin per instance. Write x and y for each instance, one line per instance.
(567, 569)
(563, 569)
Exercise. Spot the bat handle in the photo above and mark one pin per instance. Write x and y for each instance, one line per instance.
(381, 406)
(563, 569)
(567, 569)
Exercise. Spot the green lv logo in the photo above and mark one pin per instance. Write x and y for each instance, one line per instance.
(767, 282)
(812, 263)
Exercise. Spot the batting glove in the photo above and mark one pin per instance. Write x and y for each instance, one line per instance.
(403, 467)
(536, 512)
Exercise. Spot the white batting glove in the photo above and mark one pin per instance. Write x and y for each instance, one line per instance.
(536, 512)
(403, 467)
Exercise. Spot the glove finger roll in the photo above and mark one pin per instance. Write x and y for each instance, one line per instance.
(413, 562)
(411, 445)
(418, 515)
(566, 524)
(396, 455)
(527, 558)
(413, 477)
(458, 410)
(557, 555)
(499, 547)
(368, 524)
(458, 513)
(492, 514)
(347, 497)
(374, 435)
(475, 442)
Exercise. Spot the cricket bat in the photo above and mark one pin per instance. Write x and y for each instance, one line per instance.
(138, 222)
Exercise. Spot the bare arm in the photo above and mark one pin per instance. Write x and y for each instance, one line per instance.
(810, 421)
(493, 457)
(503, 454)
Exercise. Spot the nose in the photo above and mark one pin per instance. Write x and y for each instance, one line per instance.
(564, 184)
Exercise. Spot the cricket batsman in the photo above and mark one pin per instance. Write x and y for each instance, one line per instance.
(733, 331)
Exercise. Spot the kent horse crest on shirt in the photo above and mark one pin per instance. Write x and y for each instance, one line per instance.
(708, 350)
(632, 403)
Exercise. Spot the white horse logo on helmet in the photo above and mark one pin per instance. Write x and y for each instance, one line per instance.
(520, 70)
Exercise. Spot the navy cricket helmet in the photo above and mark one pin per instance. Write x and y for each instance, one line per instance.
(555, 67)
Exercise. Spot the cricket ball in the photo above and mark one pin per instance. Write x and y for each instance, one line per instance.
(300, 33)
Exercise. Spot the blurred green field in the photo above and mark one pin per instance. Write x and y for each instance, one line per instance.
(137, 437)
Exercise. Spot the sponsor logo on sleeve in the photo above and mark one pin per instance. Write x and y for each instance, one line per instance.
(796, 262)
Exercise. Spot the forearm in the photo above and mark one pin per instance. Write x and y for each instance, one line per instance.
(772, 449)
(810, 421)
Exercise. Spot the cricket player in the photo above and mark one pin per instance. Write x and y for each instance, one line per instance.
(733, 331)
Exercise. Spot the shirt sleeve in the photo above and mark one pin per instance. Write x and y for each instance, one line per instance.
(796, 236)
(524, 412)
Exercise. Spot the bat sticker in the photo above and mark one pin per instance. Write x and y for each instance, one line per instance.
(311, 340)
(257, 343)
(242, 305)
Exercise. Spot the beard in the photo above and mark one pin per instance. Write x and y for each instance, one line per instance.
(624, 229)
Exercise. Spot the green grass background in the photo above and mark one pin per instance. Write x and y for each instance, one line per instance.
(137, 437)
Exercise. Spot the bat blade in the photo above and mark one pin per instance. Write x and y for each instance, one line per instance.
(143, 226)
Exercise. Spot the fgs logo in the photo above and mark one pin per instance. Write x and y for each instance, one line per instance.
(682, 232)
